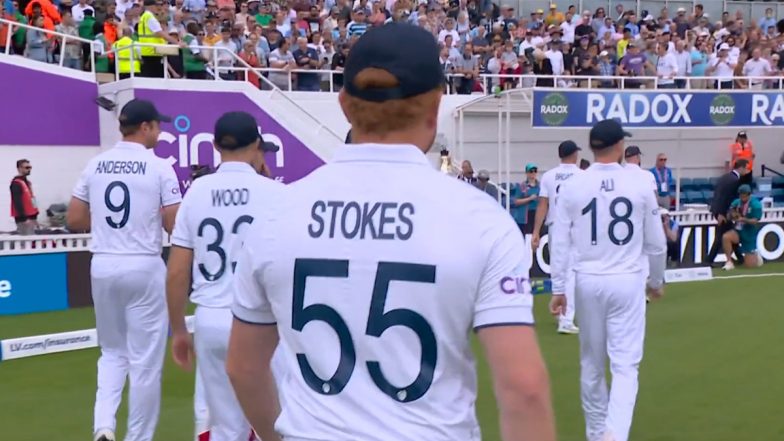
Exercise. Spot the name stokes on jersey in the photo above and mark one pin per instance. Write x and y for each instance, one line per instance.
(230, 197)
(374, 220)
(121, 167)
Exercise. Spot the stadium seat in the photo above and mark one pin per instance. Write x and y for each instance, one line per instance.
(778, 194)
(694, 197)
(707, 195)
(713, 182)
(686, 185)
(701, 184)
(778, 182)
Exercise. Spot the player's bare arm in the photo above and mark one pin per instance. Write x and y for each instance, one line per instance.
(248, 364)
(520, 382)
(178, 282)
(78, 216)
(169, 213)
(541, 213)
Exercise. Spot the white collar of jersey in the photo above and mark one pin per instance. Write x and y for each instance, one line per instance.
(130, 145)
(235, 166)
(603, 166)
(380, 153)
(630, 165)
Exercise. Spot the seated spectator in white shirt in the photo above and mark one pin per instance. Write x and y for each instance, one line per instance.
(757, 67)
(449, 31)
(78, 9)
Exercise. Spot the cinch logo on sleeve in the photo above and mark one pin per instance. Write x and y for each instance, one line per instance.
(722, 110)
(554, 109)
(5, 289)
(513, 285)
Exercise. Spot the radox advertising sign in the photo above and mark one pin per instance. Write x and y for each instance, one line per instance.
(187, 140)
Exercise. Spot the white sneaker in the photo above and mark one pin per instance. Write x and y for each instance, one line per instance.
(729, 266)
(568, 328)
(104, 435)
(760, 261)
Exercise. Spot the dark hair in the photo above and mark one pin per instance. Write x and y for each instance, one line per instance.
(21, 162)
(193, 28)
(150, 2)
(741, 163)
(129, 130)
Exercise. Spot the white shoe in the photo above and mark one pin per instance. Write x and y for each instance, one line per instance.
(568, 328)
(729, 266)
(104, 435)
(760, 261)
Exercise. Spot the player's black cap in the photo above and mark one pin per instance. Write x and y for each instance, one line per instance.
(567, 148)
(414, 64)
(235, 130)
(607, 133)
(632, 150)
(135, 112)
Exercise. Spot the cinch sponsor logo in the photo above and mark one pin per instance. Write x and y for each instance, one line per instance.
(554, 109)
(722, 110)
(641, 107)
(5, 289)
(513, 285)
(47, 343)
(188, 143)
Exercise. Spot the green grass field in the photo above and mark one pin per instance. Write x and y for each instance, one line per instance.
(711, 372)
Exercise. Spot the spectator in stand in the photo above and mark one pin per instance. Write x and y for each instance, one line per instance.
(758, 67)
(554, 18)
(544, 68)
(338, 64)
(24, 208)
(78, 9)
(194, 61)
(467, 172)
(664, 181)
(49, 11)
(483, 184)
(743, 149)
(606, 69)
(359, 26)
(224, 55)
(632, 65)
(722, 68)
(666, 68)
(468, 67)
(282, 58)
(699, 64)
(306, 58)
(683, 59)
(250, 56)
(73, 48)
(37, 44)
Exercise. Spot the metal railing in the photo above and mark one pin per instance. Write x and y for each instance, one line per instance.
(53, 36)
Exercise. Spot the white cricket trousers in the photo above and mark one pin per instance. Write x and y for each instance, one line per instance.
(212, 328)
(567, 318)
(611, 308)
(130, 317)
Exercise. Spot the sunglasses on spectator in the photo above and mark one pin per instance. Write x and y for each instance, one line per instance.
(533, 170)
(28, 167)
(662, 159)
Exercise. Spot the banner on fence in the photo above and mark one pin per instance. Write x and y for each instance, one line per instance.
(657, 108)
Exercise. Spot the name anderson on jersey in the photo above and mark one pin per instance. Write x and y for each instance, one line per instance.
(121, 167)
(373, 220)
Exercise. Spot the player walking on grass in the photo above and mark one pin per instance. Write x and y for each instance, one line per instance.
(208, 234)
(609, 217)
(551, 184)
(124, 196)
(358, 273)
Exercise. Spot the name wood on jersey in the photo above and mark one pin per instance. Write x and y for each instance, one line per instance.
(121, 167)
(373, 220)
(230, 197)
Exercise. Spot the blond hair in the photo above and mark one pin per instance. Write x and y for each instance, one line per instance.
(382, 118)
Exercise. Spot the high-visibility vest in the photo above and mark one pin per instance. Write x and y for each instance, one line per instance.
(146, 36)
(28, 200)
(745, 151)
(124, 51)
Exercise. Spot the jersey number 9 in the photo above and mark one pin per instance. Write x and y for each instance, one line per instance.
(378, 322)
(124, 206)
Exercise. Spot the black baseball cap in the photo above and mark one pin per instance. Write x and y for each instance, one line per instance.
(742, 134)
(607, 133)
(135, 112)
(235, 130)
(632, 150)
(415, 64)
(567, 148)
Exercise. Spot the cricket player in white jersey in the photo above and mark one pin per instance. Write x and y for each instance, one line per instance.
(208, 234)
(633, 159)
(125, 197)
(568, 152)
(356, 269)
(610, 218)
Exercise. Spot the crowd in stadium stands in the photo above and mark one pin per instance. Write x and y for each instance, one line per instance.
(477, 36)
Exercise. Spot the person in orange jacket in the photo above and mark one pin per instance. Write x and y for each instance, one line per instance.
(110, 31)
(743, 149)
(48, 10)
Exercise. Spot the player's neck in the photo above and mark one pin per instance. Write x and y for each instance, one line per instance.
(135, 140)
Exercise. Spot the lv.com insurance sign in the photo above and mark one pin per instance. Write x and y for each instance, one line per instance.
(657, 108)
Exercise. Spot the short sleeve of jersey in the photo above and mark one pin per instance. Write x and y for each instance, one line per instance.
(82, 189)
(544, 191)
(170, 188)
(735, 203)
(755, 210)
(182, 235)
(250, 299)
(504, 296)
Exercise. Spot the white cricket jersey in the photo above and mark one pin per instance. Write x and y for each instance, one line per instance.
(609, 217)
(645, 175)
(212, 221)
(126, 187)
(551, 185)
(374, 298)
